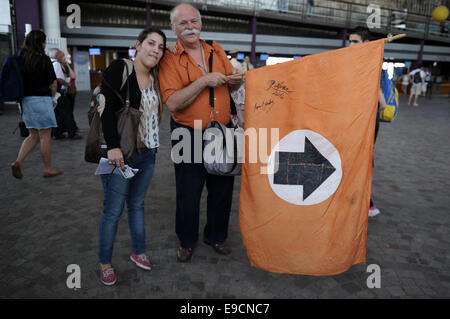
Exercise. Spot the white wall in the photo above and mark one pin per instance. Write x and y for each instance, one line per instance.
(5, 16)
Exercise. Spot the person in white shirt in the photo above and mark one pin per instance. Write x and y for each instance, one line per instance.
(427, 79)
(65, 104)
(418, 79)
(405, 83)
(246, 65)
(234, 61)
(57, 56)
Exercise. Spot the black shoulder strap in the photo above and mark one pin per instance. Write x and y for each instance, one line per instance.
(115, 92)
(233, 110)
(211, 90)
(125, 103)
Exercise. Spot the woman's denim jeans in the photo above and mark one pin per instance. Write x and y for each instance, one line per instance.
(118, 190)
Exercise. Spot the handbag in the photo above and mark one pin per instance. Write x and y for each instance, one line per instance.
(127, 125)
(222, 152)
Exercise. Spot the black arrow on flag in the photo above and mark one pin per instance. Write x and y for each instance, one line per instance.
(309, 169)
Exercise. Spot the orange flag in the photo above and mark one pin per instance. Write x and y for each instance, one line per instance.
(305, 209)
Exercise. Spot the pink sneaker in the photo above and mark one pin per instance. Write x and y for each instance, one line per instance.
(373, 211)
(141, 261)
(107, 276)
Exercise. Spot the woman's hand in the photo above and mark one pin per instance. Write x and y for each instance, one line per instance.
(115, 157)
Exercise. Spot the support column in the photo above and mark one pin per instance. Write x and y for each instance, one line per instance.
(149, 14)
(419, 56)
(26, 12)
(253, 51)
(344, 38)
(106, 58)
(50, 18)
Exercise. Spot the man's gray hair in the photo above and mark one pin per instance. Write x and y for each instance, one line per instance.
(172, 12)
(53, 52)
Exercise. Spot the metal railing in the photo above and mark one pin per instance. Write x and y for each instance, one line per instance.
(394, 17)
(331, 13)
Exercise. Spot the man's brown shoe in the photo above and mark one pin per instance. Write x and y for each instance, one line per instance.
(220, 248)
(184, 254)
(16, 171)
(56, 172)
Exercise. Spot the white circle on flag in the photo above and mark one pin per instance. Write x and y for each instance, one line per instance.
(304, 178)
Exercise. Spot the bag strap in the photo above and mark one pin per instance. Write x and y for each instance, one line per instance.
(233, 110)
(125, 76)
(126, 71)
(211, 90)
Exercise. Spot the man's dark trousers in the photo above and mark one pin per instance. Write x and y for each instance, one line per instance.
(190, 179)
(64, 116)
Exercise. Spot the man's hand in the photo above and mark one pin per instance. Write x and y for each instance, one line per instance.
(215, 79)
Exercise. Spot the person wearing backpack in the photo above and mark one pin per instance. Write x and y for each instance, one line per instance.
(427, 79)
(358, 36)
(144, 95)
(39, 85)
(418, 79)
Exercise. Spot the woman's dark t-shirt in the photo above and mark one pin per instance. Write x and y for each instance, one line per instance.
(37, 82)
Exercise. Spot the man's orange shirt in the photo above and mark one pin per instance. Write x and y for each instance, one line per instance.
(176, 71)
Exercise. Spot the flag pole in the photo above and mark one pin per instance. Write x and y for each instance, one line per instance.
(389, 38)
(238, 74)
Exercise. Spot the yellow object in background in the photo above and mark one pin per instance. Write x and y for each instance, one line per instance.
(440, 13)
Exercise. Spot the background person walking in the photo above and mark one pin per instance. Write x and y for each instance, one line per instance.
(39, 83)
(418, 79)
